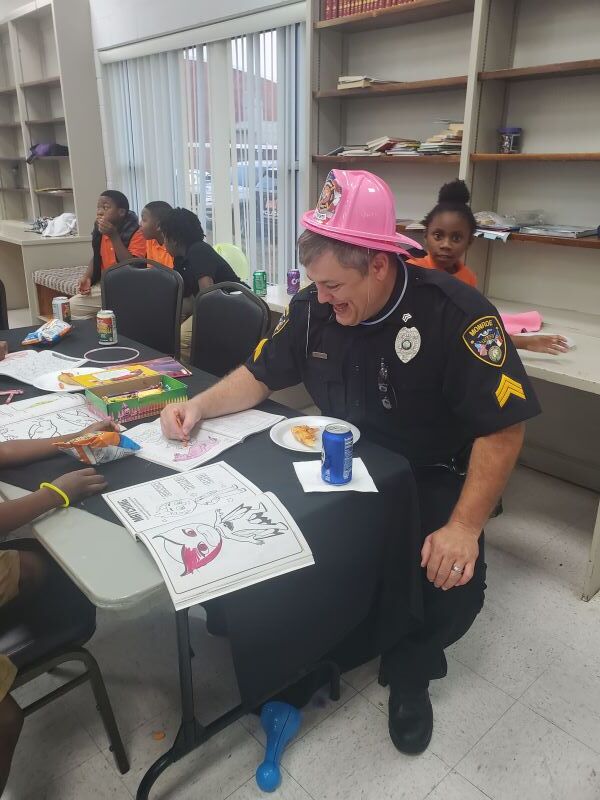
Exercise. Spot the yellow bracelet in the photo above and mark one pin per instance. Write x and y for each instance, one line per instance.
(54, 488)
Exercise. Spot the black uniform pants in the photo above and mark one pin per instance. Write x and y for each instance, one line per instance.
(419, 656)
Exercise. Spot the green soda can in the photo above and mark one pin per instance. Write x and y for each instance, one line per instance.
(259, 283)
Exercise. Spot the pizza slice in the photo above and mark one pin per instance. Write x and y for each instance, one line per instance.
(305, 434)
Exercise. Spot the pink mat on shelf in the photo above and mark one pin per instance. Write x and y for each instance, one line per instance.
(527, 322)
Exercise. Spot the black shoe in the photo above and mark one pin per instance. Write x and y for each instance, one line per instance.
(410, 720)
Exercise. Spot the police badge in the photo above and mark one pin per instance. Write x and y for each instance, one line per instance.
(408, 344)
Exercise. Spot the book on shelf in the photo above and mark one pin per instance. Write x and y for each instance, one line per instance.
(333, 9)
(359, 82)
(560, 231)
(382, 145)
(448, 142)
(410, 225)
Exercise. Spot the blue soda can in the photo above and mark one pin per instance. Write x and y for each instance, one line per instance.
(293, 281)
(336, 456)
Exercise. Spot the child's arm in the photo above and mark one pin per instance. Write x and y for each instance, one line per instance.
(76, 485)
(23, 451)
(554, 344)
(85, 282)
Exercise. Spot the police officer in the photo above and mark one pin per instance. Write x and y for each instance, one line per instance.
(421, 363)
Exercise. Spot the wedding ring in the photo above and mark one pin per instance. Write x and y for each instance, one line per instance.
(456, 568)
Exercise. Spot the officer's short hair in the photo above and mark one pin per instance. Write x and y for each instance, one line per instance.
(312, 245)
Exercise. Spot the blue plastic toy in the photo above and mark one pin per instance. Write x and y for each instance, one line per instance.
(281, 723)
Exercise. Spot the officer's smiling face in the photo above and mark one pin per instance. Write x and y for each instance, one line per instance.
(354, 296)
(447, 239)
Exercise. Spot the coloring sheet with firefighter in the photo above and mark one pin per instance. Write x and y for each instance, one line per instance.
(211, 531)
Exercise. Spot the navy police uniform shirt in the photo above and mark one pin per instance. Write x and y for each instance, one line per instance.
(431, 372)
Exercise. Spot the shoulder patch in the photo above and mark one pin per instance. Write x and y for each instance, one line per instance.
(484, 338)
(283, 321)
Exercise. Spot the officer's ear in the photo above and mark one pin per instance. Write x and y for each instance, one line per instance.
(380, 266)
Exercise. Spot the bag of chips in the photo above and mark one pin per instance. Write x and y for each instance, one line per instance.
(49, 333)
(99, 447)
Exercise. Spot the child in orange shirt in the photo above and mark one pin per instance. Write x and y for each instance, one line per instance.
(115, 238)
(153, 214)
(449, 229)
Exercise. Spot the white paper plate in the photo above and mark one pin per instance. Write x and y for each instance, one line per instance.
(282, 435)
(50, 383)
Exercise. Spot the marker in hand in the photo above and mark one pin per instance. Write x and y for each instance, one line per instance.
(184, 438)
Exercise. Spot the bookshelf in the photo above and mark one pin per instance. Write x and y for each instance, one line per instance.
(48, 94)
(417, 11)
(530, 64)
(397, 161)
(395, 89)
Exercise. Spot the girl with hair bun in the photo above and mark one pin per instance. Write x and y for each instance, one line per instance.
(449, 230)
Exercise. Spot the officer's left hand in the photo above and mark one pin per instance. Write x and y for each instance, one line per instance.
(452, 544)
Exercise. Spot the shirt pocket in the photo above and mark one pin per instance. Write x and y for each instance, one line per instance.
(324, 381)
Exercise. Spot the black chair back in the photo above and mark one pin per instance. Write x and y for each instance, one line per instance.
(229, 321)
(146, 302)
(3, 309)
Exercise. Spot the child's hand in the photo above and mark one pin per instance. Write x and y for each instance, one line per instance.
(85, 285)
(103, 425)
(107, 227)
(555, 345)
(81, 483)
(3, 350)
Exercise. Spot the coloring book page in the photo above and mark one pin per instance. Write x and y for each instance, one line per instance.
(217, 541)
(44, 417)
(208, 440)
(169, 500)
(29, 365)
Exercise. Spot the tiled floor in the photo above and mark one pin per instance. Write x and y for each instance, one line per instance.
(517, 718)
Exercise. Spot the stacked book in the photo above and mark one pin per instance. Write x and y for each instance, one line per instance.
(357, 82)
(405, 147)
(448, 142)
(331, 9)
(383, 145)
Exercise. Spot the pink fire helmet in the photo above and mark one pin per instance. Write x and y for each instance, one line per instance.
(357, 207)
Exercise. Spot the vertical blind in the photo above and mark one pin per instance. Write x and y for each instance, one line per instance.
(145, 128)
(161, 147)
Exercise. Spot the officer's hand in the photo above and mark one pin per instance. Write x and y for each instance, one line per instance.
(452, 544)
(177, 420)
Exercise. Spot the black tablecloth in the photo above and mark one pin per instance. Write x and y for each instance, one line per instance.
(366, 546)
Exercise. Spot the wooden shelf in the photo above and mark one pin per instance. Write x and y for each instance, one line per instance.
(417, 11)
(53, 81)
(396, 88)
(340, 161)
(12, 158)
(49, 121)
(20, 189)
(10, 124)
(535, 156)
(57, 193)
(588, 242)
(50, 158)
(8, 90)
(565, 69)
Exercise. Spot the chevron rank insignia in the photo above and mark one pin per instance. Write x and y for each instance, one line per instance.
(506, 388)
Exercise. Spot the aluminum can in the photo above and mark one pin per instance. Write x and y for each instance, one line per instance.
(336, 456)
(259, 283)
(293, 281)
(61, 308)
(106, 325)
